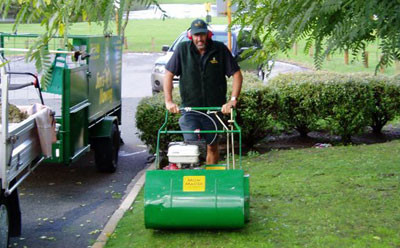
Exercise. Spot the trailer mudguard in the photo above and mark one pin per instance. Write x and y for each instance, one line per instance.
(103, 128)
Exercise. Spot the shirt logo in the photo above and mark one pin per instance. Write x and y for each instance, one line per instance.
(214, 61)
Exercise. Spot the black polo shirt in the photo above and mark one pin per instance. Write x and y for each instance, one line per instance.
(202, 81)
(174, 64)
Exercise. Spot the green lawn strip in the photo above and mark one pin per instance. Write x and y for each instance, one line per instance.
(150, 35)
(336, 61)
(142, 35)
(333, 197)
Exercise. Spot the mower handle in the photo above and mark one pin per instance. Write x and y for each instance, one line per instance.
(234, 129)
(201, 108)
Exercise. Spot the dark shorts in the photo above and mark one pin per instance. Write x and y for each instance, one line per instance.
(190, 121)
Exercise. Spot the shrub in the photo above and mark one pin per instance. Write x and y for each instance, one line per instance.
(386, 100)
(299, 100)
(255, 113)
(150, 116)
(347, 101)
(345, 104)
(255, 109)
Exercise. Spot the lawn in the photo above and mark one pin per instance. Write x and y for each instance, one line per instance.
(142, 35)
(345, 196)
(336, 61)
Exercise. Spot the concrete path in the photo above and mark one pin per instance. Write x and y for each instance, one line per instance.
(283, 67)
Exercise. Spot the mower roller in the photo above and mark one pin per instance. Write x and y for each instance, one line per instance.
(197, 196)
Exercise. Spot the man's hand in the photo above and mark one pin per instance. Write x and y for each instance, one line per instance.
(172, 107)
(226, 108)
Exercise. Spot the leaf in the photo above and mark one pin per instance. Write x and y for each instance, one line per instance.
(95, 232)
(61, 29)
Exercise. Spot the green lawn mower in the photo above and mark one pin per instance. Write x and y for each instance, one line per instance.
(197, 196)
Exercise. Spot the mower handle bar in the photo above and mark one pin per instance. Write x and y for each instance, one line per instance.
(219, 109)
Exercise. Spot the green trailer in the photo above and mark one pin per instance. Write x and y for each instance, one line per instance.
(91, 101)
(87, 79)
(199, 197)
(86, 82)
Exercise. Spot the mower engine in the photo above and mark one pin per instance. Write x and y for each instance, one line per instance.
(183, 155)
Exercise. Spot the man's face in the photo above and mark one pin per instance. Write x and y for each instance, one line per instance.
(200, 41)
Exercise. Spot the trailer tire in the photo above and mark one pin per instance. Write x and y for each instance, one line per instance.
(4, 223)
(106, 151)
(14, 211)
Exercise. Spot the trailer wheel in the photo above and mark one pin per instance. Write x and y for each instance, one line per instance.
(106, 151)
(4, 224)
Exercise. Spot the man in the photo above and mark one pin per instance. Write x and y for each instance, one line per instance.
(202, 65)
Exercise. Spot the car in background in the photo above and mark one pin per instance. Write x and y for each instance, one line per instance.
(219, 34)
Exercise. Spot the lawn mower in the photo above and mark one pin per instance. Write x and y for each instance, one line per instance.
(196, 195)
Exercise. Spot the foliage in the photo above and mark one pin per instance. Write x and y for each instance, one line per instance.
(344, 103)
(15, 115)
(327, 26)
(339, 103)
(56, 16)
(150, 115)
(255, 110)
(386, 101)
(299, 101)
(347, 102)
(333, 197)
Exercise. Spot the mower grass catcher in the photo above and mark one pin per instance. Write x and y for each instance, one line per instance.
(193, 196)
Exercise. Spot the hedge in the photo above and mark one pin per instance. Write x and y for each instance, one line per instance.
(255, 110)
(345, 103)
(150, 115)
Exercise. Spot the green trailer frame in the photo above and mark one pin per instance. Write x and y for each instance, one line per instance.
(198, 198)
(89, 116)
(90, 90)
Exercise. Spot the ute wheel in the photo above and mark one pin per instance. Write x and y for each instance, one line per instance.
(106, 151)
(4, 223)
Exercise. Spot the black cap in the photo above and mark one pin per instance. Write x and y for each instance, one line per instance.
(198, 26)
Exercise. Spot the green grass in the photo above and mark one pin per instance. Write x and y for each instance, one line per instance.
(150, 35)
(333, 197)
(336, 62)
(142, 35)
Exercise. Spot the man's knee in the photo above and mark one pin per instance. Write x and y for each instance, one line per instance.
(212, 148)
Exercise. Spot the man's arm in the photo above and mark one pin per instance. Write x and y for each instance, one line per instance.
(236, 88)
(168, 86)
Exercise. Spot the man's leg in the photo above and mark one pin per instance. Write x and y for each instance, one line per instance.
(212, 153)
(189, 122)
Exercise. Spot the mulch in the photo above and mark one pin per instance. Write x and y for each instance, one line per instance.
(293, 140)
